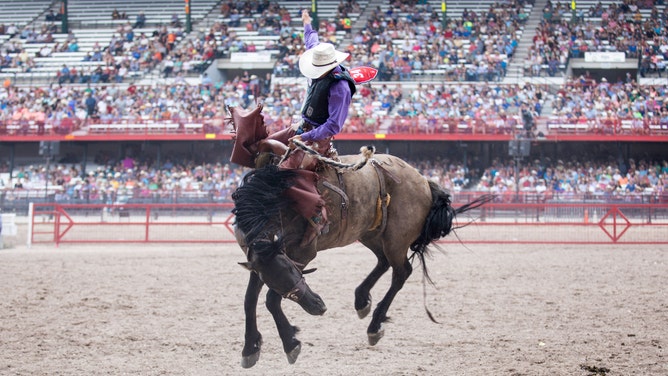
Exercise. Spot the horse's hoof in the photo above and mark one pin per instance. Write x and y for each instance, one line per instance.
(375, 337)
(292, 355)
(362, 313)
(250, 360)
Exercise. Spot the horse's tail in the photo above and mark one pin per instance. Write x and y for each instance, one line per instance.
(439, 220)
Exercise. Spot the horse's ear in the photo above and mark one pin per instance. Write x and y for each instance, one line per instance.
(246, 265)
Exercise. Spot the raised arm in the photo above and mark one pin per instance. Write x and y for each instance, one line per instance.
(310, 35)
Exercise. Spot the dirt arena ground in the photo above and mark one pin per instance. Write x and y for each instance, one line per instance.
(178, 310)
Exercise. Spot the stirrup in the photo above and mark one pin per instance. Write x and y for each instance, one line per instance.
(315, 222)
(315, 229)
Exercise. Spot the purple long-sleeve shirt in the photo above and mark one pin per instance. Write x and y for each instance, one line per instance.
(339, 99)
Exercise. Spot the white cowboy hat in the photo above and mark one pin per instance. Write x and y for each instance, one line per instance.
(320, 59)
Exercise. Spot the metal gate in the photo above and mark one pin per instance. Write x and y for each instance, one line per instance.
(130, 223)
(545, 223)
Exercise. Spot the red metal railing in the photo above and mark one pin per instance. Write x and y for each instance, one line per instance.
(494, 223)
(17, 199)
(428, 128)
(131, 223)
(566, 223)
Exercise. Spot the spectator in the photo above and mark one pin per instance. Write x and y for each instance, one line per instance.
(91, 105)
(50, 16)
(116, 15)
(140, 21)
(206, 80)
(175, 22)
(45, 51)
(64, 74)
(168, 67)
(12, 30)
(74, 46)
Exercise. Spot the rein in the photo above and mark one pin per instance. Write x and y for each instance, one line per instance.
(367, 153)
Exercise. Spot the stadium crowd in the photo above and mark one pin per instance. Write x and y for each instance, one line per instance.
(404, 39)
(615, 27)
(409, 38)
(425, 108)
(145, 181)
(401, 39)
(605, 106)
(407, 109)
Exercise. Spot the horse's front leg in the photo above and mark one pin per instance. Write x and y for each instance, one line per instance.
(291, 345)
(253, 339)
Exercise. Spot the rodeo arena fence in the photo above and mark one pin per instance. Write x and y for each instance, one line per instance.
(520, 219)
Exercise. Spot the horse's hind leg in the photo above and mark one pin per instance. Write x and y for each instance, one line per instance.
(286, 331)
(363, 291)
(400, 274)
(253, 339)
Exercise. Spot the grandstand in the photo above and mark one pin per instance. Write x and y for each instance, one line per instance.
(586, 87)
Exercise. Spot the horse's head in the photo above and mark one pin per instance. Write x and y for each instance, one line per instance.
(258, 207)
(281, 274)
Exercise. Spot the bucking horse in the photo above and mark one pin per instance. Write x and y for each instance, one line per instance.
(379, 200)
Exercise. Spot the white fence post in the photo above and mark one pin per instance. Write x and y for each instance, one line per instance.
(31, 208)
(7, 227)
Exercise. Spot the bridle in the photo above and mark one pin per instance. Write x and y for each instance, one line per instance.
(297, 292)
(299, 289)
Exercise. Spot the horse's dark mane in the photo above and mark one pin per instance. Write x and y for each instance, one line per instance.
(259, 199)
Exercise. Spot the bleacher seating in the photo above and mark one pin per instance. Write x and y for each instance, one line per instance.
(97, 13)
(90, 22)
(48, 67)
(456, 54)
(21, 12)
(327, 10)
(561, 37)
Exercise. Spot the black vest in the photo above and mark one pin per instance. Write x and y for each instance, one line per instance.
(316, 104)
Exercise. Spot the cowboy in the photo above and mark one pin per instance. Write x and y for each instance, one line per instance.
(324, 112)
(330, 90)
